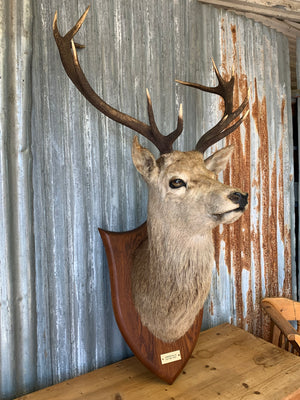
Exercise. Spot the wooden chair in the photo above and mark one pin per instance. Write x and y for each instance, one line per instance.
(281, 311)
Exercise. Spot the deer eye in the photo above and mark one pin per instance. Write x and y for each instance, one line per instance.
(176, 183)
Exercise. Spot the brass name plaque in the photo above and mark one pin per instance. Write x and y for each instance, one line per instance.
(170, 357)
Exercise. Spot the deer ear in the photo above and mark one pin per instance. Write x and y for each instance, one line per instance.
(217, 161)
(143, 160)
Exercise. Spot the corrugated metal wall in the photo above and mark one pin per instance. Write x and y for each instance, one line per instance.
(65, 170)
(18, 335)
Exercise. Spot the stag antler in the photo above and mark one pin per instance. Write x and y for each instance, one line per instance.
(68, 55)
(223, 127)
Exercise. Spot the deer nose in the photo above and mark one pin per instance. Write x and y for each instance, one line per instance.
(239, 198)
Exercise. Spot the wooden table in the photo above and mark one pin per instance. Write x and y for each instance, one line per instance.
(227, 363)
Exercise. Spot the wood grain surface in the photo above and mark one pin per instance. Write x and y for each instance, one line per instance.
(227, 363)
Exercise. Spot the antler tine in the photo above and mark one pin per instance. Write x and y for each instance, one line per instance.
(69, 58)
(64, 45)
(208, 140)
(165, 148)
(177, 132)
(223, 128)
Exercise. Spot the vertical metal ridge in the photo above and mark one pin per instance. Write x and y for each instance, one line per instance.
(18, 316)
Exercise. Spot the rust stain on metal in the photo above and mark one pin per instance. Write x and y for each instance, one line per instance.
(287, 289)
(281, 190)
(285, 231)
(253, 305)
(270, 192)
(237, 236)
(283, 102)
(251, 243)
(271, 205)
(259, 114)
(211, 308)
(271, 252)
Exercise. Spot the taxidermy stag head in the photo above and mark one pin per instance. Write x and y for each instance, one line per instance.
(171, 272)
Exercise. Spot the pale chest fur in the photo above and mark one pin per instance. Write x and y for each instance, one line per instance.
(170, 281)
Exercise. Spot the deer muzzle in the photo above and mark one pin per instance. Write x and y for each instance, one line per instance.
(239, 198)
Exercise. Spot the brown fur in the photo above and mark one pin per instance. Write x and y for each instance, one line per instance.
(172, 270)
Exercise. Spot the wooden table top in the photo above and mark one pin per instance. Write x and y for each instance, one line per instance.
(227, 363)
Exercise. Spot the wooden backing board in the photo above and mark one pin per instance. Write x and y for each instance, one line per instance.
(293, 396)
(166, 360)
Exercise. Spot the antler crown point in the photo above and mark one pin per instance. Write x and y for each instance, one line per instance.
(87, 9)
(246, 114)
(54, 24)
(148, 96)
(180, 111)
(232, 71)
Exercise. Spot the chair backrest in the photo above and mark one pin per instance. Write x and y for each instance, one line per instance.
(281, 311)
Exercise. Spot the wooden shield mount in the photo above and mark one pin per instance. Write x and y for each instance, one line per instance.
(166, 360)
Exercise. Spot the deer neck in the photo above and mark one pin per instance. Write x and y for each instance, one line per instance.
(173, 246)
(171, 273)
